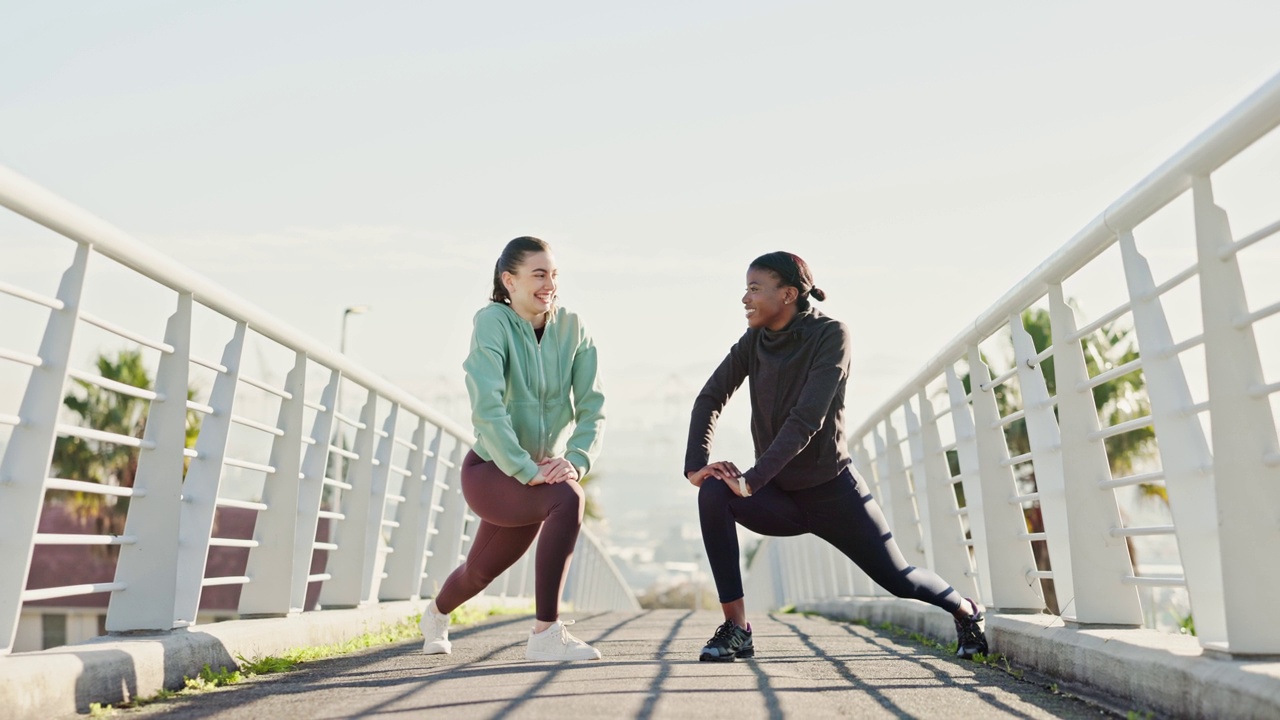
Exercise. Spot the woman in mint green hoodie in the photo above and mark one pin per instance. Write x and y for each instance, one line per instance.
(539, 416)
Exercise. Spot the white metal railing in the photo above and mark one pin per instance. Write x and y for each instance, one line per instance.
(385, 482)
(1222, 483)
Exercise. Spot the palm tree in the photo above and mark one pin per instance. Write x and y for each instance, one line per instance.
(1117, 400)
(101, 462)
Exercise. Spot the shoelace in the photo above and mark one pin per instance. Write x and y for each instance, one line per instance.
(723, 632)
(968, 630)
(565, 637)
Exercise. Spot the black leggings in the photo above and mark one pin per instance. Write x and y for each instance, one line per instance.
(840, 511)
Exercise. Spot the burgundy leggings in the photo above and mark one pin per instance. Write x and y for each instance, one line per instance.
(511, 514)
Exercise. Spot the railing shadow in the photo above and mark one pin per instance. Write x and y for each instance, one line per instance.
(889, 647)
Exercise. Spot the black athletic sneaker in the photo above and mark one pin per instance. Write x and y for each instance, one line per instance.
(729, 642)
(970, 640)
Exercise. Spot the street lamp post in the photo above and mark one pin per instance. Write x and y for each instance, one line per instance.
(342, 341)
(353, 310)
(342, 348)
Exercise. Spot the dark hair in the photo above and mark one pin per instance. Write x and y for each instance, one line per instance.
(791, 270)
(512, 257)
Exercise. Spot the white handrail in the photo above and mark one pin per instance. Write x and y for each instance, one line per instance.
(34, 202)
(1257, 115)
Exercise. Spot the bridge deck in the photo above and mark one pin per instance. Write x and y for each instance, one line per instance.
(805, 667)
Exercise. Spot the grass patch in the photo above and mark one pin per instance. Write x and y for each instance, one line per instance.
(210, 679)
(266, 665)
(791, 610)
(995, 660)
(385, 635)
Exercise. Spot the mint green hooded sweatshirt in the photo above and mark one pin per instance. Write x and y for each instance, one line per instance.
(529, 400)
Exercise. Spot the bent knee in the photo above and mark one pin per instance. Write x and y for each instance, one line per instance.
(570, 492)
(569, 496)
(713, 491)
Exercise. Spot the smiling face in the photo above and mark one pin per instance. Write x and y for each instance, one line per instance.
(532, 287)
(767, 303)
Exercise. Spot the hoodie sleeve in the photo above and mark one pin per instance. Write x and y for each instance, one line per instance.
(588, 407)
(829, 367)
(486, 383)
(715, 394)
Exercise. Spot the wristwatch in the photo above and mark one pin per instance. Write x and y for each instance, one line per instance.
(743, 489)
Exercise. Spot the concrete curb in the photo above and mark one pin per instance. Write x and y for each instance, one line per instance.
(111, 669)
(1149, 670)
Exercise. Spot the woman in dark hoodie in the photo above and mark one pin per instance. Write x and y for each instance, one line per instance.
(797, 360)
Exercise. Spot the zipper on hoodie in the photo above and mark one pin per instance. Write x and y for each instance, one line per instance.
(542, 399)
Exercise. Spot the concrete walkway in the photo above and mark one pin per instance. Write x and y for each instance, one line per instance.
(805, 667)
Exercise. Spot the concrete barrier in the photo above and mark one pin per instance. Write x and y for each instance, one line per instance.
(112, 669)
(1141, 670)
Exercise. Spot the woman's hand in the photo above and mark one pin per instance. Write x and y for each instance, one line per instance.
(723, 470)
(555, 470)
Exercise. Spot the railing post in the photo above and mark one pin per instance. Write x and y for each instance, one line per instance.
(814, 565)
(26, 459)
(1185, 459)
(777, 573)
(1100, 558)
(792, 576)
(1046, 459)
(404, 567)
(576, 581)
(970, 481)
(920, 483)
(945, 533)
(859, 580)
(882, 489)
(906, 527)
(515, 579)
(270, 567)
(376, 546)
(446, 550)
(1245, 458)
(1010, 553)
(315, 466)
(151, 568)
(200, 487)
(348, 564)
(437, 483)
(833, 572)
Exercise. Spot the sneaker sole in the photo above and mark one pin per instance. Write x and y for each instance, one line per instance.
(744, 654)
(437, 647)
(548, 657)
(969, 656)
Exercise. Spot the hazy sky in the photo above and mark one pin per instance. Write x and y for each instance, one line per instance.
(922, 157)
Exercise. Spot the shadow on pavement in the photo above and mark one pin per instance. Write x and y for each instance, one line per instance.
(843, 668)
(646, 711)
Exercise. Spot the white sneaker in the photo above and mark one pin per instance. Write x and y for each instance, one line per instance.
(556, 644)
(435, 632)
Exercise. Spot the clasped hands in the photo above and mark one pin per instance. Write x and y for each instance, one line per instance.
(555, 470)
(722, 470)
